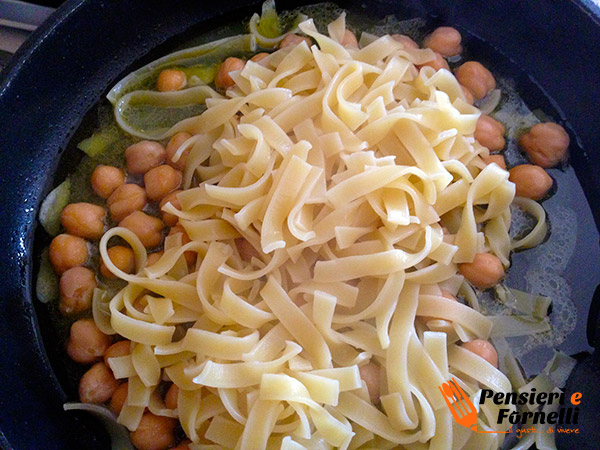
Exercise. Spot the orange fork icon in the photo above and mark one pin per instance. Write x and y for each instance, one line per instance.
(461, 406)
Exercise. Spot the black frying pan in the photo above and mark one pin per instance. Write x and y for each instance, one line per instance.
(64, 69)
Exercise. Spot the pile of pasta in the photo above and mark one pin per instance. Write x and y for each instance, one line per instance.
(354, 181)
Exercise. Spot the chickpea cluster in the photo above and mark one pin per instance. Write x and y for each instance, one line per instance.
(69, 254)
(546, 145)
(125, 204)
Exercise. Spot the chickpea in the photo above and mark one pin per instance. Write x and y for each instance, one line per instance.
(105, 179)
(119, 398)
(147, 228)
(371, 374)
(160, 181)
(476, 78)
(86, 342)
(445, 294)
(171, 397)
(490, 133)
(126, 199)
(530, 181)
(171, 80)
(291, 40)
(546, 144)
(485, 271)
(97, 385)
(349, 39)
(445, 41)
(498, 159)
(259, 57)
(154, 433)
(153, 258)
(84, 220)
(67, 251)
(406, 41)
(170, 220)
(174, 143)
(121, 348)
(437, 63)
(143, 156)
(468, 96)
(484, 349)
(190, 257)
(246, 250)
(223, 80)
(122, 257)
(76, 289)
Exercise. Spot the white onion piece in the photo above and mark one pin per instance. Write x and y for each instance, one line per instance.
(490, 101)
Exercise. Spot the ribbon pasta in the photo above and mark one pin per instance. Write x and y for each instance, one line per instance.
(328, 199)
